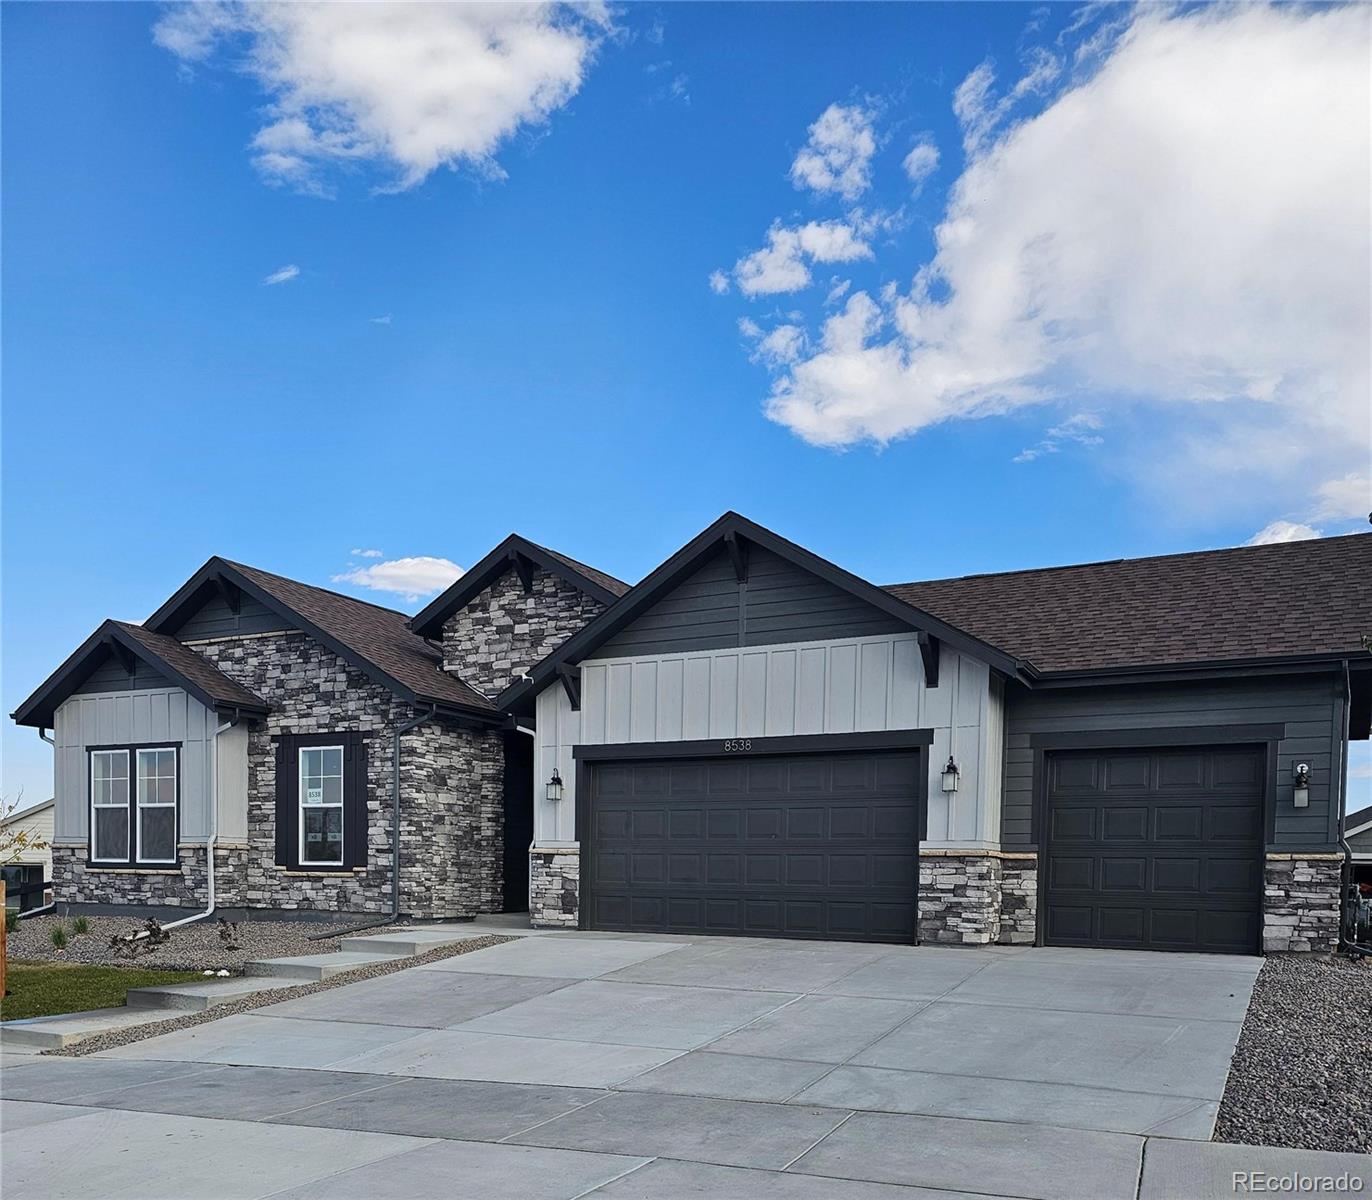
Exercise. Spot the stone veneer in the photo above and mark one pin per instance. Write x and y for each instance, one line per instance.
(185, 885)
(452, 809)
(503, 631)
(554, 884)
(1301, 902)
(978, 897)
(1019, 899)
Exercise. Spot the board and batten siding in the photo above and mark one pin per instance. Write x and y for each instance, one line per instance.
(1310, 708)
(150, 716)
(845, 685)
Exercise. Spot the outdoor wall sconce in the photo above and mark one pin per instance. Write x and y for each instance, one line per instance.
(1301, 796)
(950, 776)
(554, 786)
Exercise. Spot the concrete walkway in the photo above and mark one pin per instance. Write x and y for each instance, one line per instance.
(571, 1065)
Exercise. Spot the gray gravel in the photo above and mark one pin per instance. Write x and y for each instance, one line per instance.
(1302, 1075)
(195, 947)
(138, 1033)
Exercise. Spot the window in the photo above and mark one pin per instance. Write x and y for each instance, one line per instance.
(157, 806)
(109, 805)
(133, 823)
(321, 806)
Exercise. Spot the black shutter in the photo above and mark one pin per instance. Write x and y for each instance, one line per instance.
(287, 808)
(355, 802)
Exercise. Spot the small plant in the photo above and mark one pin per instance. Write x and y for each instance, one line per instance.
(59, 937)
(140, 941)
(11, 920)
(228, 934)
(80, 926)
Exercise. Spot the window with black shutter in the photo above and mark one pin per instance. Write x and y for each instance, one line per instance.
(321, 801)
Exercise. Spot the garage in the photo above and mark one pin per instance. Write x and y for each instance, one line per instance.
(1155, 849)
(809, 845)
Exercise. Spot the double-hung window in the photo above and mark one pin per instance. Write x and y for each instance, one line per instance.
(321, 806)
(133, 805)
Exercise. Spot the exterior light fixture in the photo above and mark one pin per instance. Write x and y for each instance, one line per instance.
(1301, 796)
(554, 786)
(950, 776)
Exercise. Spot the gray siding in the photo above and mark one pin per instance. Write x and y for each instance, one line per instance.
(111, 677)
(1310, 708)
(1361, 843)
(780, 602)
(215, 619)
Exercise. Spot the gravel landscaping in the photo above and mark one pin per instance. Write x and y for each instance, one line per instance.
(1302, 1074)
(195, 947)
(137, 1033)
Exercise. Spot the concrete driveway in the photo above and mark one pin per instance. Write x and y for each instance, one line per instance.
(572, 1065)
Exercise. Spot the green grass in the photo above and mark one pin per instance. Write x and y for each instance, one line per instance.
(40, 989)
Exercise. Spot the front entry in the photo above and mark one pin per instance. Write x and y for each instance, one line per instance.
(1156, 849)
(808, 845)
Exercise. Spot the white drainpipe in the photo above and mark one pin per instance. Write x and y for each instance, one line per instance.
(214, 828)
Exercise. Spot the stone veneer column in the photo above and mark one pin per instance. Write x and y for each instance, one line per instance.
(554, 887)
(959, 897)
(1301, 903)
(1019, 898)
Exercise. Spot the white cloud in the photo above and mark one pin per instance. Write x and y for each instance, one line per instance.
(719, 283)
(783, 344)
(838, 156)
(922, 161)
(382, 320)
(1282, 531)
(1079, 429)
(406, 88)
(282, 275)
(366, 553)
(1349, 498)
(408, 577)
(837, 292)
(780, 266)
(1184, 232)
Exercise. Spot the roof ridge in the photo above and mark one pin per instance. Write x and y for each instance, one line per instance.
(1110, 562)
(576, 562)
(314, 587)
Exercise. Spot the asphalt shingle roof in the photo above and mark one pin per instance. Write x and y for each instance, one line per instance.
(608, 582)
(191, 666)
(379, 635)
(1291, 599)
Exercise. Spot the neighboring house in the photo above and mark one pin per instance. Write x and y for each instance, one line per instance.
(31, 863)
(1357, 832)
(751, 740)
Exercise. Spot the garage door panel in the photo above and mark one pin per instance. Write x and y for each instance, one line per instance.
(822, 846)
(1175, 865)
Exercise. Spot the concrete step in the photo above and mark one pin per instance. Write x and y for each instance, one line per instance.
(197, 997)
(313, 967)
(410, 941)
(52, 1033)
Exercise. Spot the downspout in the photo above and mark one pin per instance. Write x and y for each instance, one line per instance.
(394, 915)
(1348, 912)
(214, 829)
(42, 908)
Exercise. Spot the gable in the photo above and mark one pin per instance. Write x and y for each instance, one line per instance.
(778, 602)
(214, 618)
(113, 676)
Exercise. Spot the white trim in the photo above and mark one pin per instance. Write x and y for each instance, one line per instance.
(94, 833)
(300, 806)
(138, 806)
(1357, 829)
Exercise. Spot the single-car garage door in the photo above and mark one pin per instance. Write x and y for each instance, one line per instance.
(1156, 849)
(805, 846)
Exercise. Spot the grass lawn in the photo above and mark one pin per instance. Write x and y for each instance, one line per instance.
(40, 989)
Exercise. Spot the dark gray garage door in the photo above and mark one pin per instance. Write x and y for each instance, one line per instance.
(806, 846)
(1156, 849)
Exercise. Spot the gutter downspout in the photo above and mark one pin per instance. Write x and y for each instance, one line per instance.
(42, 908)
(394, 915)
(1348, 913)
(214, 829)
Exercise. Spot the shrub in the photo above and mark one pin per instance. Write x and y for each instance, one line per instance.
(80, 925)
(11, 920)
(59, 938)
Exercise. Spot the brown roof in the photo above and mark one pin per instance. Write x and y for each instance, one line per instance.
(608, 582)
(379, 635)
(192, 667)
(1255, 602)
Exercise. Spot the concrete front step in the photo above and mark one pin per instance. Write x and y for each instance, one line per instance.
(410, 942)
(312, 968)
(197, 997)
(52, 1033)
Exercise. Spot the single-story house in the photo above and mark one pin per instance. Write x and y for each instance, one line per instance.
(1357, 832)
(1146, 753)
(26, 854)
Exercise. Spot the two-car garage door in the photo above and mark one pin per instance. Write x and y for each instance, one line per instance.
(1155, 849)
(803, 845)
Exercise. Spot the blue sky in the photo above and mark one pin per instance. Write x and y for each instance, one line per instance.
(1116, 305)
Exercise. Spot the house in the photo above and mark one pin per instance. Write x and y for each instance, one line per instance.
(1357, 832)
(1145, 753)
(26, 854)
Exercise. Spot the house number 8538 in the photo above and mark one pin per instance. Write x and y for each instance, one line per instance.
(734, 745)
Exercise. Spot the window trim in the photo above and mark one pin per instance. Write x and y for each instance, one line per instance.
(131, 859)
(356, 790)
(342, 806)
(138, 806)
